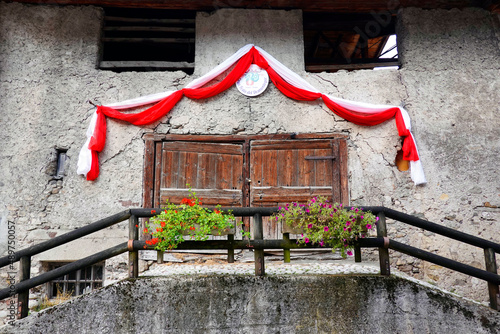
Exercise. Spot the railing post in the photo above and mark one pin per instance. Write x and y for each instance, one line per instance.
(23, 296)
(133, 255)
(230, 250)
(383, 252)
(286, 251)
(357, 252)
(491, 266)
(258, 234)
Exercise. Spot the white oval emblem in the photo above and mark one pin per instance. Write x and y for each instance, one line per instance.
(253, 82)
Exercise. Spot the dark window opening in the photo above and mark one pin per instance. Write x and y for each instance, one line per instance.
(148, 40)
(77, 282)
(339, 41)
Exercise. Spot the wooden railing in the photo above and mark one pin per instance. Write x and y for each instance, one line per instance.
(258, 244)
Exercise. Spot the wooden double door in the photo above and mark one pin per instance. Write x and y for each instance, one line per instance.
(243, 171)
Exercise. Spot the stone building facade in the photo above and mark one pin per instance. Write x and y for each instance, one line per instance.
(448, 81)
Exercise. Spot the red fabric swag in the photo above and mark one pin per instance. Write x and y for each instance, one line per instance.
(163, 107)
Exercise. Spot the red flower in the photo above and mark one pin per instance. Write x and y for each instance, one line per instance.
(162, 224)
(159, 230)
(192, 228)
(217, 211)
(145, 230)
(153, 212)
(152, 242)
(136, 225)
(188, 201)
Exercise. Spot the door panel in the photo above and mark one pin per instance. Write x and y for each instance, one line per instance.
(212, 170)
(292, 171)
(279, 171)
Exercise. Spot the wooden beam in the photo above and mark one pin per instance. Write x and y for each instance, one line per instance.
(149, 21)
(148, 40)
(109, 65)
(353, 66)
(343, 6)
(150, 29)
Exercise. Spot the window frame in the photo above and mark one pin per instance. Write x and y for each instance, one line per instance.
(76, 279)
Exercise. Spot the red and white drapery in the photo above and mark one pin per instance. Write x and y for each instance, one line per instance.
(288, 82)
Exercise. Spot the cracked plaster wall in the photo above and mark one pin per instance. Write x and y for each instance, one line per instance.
(448, 82)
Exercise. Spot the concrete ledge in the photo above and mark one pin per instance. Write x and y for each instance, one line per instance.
(273, 304)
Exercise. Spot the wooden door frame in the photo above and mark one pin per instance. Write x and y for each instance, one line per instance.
(151, 159)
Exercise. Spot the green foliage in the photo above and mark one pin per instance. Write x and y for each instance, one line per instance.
(187, 218)
(327, 224)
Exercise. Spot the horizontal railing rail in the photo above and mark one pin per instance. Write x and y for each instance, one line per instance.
(433, 227)
(64, 270)
(258, 244)
(65, 238)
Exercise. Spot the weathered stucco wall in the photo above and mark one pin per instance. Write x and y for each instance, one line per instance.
(246, 304)
(449, 83)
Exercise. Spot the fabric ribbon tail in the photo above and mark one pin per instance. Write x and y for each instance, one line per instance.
(94, 168)
(410, 152)
(417, 172)
(98, 138)
(84, 159)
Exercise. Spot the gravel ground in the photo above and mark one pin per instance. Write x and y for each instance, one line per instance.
(342, 267)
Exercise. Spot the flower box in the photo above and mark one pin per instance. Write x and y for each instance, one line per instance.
(323, 223)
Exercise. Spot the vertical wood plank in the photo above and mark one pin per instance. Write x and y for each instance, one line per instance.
(181, 171)
(322, 168)
(223, 171)
(286, 168)
(335, 173)
(174, 172)
(256, 168)
(191, 169)
(157, 177)
(383, 253)
(246, 188)
(202, 170)
(344, 181)
(305, 167)
(166, 168)
(133, 256)
(23, 296)
(270, 168)
(294, 163)
(258, 253)
(493, 289)
(237, 176)
(211, 172)
(148, 181)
